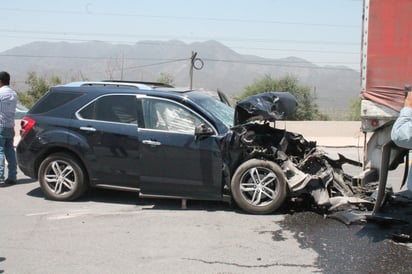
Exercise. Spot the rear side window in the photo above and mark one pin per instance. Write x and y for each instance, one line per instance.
(53, 100)
(112, 108)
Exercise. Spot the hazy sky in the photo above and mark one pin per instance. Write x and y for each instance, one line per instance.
(325, 32)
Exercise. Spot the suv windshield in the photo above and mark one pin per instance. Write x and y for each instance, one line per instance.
(218, 109)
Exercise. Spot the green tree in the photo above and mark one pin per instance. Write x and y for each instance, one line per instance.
(306, 110)
(38, 86)
(166, 78)
(355, 110)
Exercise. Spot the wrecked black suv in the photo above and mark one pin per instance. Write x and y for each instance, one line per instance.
(165, 142)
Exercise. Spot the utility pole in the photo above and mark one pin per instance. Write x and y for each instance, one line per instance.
(192, 64)
(195, 63)
(121, 73)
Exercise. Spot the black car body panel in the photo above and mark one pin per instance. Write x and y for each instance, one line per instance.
(189, 166)
(119, 154)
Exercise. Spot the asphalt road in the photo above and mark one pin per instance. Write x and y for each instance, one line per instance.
(115, 232)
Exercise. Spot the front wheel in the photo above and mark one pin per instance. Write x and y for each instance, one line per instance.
(61, 177)
(258, 186)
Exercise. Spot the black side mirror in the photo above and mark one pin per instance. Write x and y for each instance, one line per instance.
(203, 130)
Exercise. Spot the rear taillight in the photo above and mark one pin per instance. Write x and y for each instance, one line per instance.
(26, 125)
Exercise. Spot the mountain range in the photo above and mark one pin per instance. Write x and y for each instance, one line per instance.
(222, 68)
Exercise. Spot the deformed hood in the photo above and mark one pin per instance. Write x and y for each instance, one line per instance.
(268, 106)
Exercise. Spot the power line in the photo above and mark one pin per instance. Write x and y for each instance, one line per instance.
(269, 62)
(68, 39)
(157, 64)
(87, 11)
(256, 62)
(85, 57)
(287, 64)
(298, 50)
(145, 43)
(275, 63)
(230, 39)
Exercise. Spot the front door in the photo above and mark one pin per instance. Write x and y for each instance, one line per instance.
(173, 161)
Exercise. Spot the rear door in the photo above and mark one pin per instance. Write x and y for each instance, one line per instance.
(173, 161)
(109, 125)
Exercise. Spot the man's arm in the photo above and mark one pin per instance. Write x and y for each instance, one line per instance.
(402, 128)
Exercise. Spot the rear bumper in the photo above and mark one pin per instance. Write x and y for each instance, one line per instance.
(25, 161)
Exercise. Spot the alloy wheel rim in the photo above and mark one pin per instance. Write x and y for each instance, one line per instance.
(258, 186)
(60, 177)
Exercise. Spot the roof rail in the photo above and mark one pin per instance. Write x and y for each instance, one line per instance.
(154, 84)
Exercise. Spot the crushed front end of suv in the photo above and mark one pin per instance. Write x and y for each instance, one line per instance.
(164, 142)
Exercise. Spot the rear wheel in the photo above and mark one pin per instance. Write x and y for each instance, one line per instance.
(258, 186)
(61, 177)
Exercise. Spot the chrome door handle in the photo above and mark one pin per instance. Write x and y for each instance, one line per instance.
(151, 143)
(88, 128)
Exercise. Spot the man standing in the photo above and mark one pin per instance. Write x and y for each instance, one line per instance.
(401, 133)
(8, 102)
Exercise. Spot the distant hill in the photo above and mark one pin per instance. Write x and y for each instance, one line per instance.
(223, 69)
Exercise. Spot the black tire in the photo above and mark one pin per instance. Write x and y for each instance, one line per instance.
(259, 186)
(61, 177)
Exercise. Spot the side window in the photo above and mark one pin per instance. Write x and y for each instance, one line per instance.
(112, 108)
(52, 100)
(168, 116)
